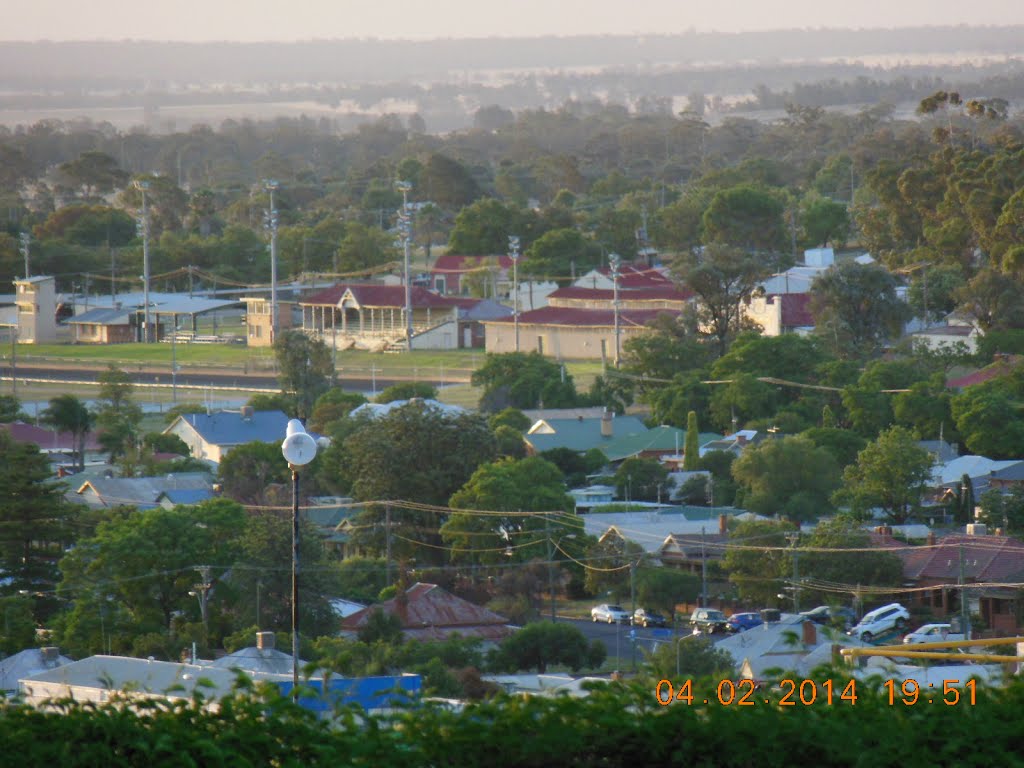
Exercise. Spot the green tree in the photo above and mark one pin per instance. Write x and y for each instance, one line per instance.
(557, 253)
(483, 227)
(858, 565)
(639, 479)
(989, 420)
(823, 221)
(790, 477)
(890, 473)
(1003, 510)
(511, 417)
(690, 657)
(691, 453)
(843, 444)
(364, 248)
(19, 625)
(407, 390)
(856, 308)
(361, 578)
(747, 217)
(513, 487)
(95, 172)
(332, 405)
(35, 520)
(447, 182)
(254, 473)
(10, 410)
(305, 369)
(66, 413)
(536, 646)
(118, 416)
(523, 380)
(760, 559)
(663, 588)
(721, 278)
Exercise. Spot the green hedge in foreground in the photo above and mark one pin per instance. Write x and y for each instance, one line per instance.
(614, 726)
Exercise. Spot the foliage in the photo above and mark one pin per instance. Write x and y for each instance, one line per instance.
(523, 380)
(10, 410)
(305, 368)
(118, 416)
(747, 217)
(858, 566)
(19, 625)
(538, 645)
(1003, 510)
(760, 561)
(514, 487)
(790, 477)
(381, 626)
(332, 405)
(66, 413)
(558, 253)
(843, 444)
(575, 466)
(989, 420)
(698, 658)
(639, 479)
(511, 417)
(254, 473)
(890, 473)
(361, 579)
(407, 390)
(856, 308)
(691, 452)
(663, 588)
(161, 443)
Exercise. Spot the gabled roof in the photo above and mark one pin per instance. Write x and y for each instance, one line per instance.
(27, 663)
(572, 316)
(103, 316)
(229, 428)
(952, 472)
(145, 492)
(579, 434)
(186, 496)
(429, 612)
(47, 439)
(660, 439)
(1000, 367)
(985, 558)
(365, 295)
(632, 277)
(253, 659)
(666, 292)
(460, 263)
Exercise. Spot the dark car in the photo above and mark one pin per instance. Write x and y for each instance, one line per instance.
(645, 618)
(832, 616)
(741, 622)
(708, 620)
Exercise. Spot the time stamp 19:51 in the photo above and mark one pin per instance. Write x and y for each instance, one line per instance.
(793, 693)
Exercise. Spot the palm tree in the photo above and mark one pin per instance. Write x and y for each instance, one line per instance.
(66, 413)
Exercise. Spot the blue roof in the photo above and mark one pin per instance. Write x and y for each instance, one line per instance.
(233, 428)
(188, 495)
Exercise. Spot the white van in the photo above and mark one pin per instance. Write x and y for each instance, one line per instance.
(880, 621)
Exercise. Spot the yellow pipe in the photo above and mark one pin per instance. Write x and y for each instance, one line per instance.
(951, 657)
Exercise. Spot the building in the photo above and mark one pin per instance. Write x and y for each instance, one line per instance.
(209, 436)
(373, 317)
(27, 663)
(779, 313)
(120, 319)
(428, 612)
(259, 324)
(957, 332)
(59, 447)
(581, 434)
(262, 657)
(454, 275)
(630, 277)
(165, 491)
(36, 299)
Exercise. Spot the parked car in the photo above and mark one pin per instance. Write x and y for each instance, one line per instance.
(609, 613)
(741, 622)
(881, 620)
(933, 633)
(832, 616)
(646, 618)
(708, 620)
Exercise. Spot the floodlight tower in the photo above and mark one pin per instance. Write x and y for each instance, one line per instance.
(405, 223)
(270, 221)
(513, 248)
(142, 226)
(615, 263)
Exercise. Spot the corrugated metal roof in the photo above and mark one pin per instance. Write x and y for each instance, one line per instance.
(103, 316)
(661, 438)
(366, 295)
(573, 316)
(582, 434)
(986, 558)
(47, 439)
(232, 428)
(666, 292)
(145, 491)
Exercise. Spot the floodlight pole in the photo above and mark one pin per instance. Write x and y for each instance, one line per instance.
(615, 262)
(271, 221)
(142, 186)
(405, 221)
(513, 246)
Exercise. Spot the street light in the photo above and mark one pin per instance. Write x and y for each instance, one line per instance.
(270, 220)
(405, 222)
(298, 449)
(513, 247)
(615, 263)
(143, 226)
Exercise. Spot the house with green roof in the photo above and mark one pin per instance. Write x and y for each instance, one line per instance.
(665, 443)
(581, 434)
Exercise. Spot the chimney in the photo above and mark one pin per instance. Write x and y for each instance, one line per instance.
(723, 525)
(931, 538)
(810, 633)
(977, 529)
(49, 654)
(606, 423)
(247, 412)
(265, 641)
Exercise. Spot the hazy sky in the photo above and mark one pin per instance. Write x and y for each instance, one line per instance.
(249, 20)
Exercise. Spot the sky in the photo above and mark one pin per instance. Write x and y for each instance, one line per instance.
(289, 20)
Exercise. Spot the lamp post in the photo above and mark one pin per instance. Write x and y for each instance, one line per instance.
(405, 222)
(513, 247)
(143, 225)
(298, 449)
(615, 263)
(270, 220)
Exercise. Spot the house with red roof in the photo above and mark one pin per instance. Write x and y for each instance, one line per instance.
(372, 317)
(428, 612)
(779, 313)
(453, 274)
(631, 277)
(995, 563)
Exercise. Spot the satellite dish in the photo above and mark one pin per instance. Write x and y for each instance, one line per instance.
(298, 447)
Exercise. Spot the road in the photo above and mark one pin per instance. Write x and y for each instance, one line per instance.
(617, 637)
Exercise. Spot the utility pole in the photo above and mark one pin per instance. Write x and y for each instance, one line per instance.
(513, 247)
(615, 262)
(405, 222)
(793, 538)
(632, 609)
(202, 592)
(270, 220)
(965, 616)
(26, 239)
(387, 542)
(143, 226)
(551, 565)
(703, 572)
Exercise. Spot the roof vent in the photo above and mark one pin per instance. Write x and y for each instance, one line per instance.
(247, 412)
(265, 641)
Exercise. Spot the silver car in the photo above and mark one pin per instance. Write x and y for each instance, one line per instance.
(609, 613)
